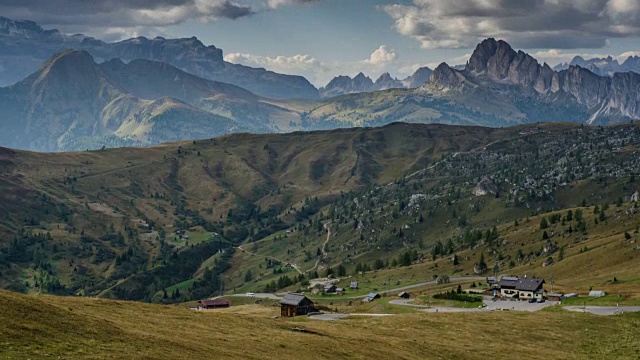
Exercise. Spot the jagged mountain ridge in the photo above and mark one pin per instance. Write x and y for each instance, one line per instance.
(603, 66)
(24, 46)
(616, 96)
(342, 84)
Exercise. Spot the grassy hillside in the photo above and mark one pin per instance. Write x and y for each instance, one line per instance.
(44, 327)
(111, 223)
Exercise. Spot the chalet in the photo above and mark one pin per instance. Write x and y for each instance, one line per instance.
(295, 304)
(370, 297)
(404, 295)
(521, 288)
(354, 285)
(340, 291)
(329, 288)
(214, 303)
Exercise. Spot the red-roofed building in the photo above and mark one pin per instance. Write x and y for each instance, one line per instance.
(214, 303)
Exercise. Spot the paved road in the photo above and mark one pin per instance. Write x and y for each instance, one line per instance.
(260, 296)
(488, 301)
(603, 310)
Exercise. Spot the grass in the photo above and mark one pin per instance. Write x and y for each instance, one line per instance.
(43, 327)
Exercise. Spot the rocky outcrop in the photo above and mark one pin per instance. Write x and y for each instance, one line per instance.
(604, 96)
(361, 83)
(445, 78)
(385, 82)
(342, 85)
(485, 187)
(419, 78)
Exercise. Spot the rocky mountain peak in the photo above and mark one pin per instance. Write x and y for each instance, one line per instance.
(445, 77)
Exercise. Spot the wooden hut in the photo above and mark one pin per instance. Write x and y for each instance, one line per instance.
(295, 304)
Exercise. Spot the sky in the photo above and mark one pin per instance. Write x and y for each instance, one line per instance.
(320, 39)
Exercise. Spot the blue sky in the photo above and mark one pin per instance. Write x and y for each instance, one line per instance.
(324, 38)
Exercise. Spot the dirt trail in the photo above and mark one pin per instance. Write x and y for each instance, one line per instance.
(270, 257)
(324, 247)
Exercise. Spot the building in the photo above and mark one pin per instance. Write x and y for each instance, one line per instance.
(329, 288)
(370, 297)
(295, 304)
(521, 288)
(340, 291)
(596, 293)
(492, 283)
(354, 285)
(555, 297)
(214, 303)
(404, 295)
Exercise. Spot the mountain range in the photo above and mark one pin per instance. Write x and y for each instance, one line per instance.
(342, 85)
(603, 66)
(73, 103)
(24, 46)
(78, 100)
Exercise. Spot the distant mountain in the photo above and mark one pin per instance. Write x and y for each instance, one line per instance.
(342, 85)
(603, 66)
(73, 103)
(498, 87)
(24, 46)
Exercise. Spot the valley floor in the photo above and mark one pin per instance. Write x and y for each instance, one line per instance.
(81, 328)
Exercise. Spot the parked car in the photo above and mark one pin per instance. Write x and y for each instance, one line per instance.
(531, 301)
(250, 295)
(541, 300)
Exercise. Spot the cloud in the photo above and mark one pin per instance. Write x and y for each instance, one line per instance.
(383, 59)
(121, 16)
(558, 24)
(274, 4)
(382, 55)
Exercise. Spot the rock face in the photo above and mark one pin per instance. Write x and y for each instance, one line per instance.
(604, 97)
(419, 78)
(485, 187)
(24, 46)
(342, 85)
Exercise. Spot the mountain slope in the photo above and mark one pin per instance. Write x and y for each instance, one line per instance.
(106, 222)
(71, 100)
(24, 45)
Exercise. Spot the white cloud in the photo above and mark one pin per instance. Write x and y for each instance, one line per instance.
(274, 4)
(562, 24)
(99, 17)
(383, 59)
(382, 55)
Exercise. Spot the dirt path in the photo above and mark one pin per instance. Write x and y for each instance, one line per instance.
(324, 247)
(270, 257)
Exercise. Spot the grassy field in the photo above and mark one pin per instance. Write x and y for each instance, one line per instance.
(44, 327)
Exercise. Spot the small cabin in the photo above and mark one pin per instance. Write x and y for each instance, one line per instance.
(404, 295)
(330, 288)
(295, 304)
(218, 303)
(370, 297)
(354, 285)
